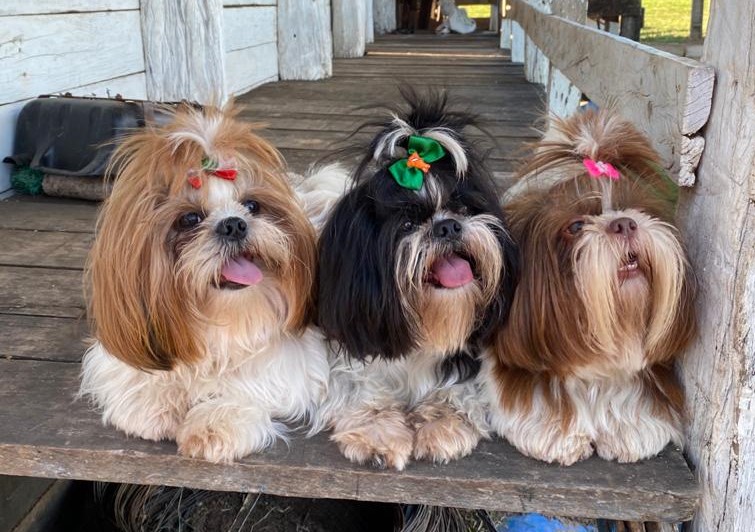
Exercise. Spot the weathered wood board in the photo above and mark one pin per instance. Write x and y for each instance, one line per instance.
(666, 96)
(59, 437)
(718, 217)
(91, 47)
(305, 43)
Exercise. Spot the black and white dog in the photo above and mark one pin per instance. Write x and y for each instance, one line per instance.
(416, 271)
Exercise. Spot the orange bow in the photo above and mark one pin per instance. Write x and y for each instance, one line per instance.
(415, 161)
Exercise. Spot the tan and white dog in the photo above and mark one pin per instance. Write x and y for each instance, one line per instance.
(202, 278)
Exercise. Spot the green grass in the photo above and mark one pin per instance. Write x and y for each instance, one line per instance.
(476, 11)
(669, 20)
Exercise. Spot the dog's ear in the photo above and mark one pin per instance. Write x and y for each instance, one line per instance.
(140, 313)
(497, 312)
(359, 305)
(673, 324)
(545, 327)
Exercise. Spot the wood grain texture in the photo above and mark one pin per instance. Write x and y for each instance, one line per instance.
(238, 3)
(719, 221)
(664, 95)
(349, 23)
(55, 436)
(248, 26)
(305, 43)
(250, 67)
(44, 249)
(41, 292)
(47, 53)
(47, 7)
(320, 117)
(43, 338)
(384, 16)
(183, 64)
(47, 214)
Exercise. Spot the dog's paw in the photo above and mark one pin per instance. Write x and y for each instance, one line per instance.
(383, 439)
(442, 434)
(206, 443)
(565, 449)
(634, 445)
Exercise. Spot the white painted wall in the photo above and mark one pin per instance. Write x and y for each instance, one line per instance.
(85, 47)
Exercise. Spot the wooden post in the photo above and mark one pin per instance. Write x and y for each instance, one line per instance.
(719, 222)
(183, 64)
(696, 23)
(305, 45)
(369, 22)
(349, 23)
(384, 13)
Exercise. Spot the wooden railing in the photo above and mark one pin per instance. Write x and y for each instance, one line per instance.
(666, 96)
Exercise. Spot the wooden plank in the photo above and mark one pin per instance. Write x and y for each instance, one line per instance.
(44, 249)
(241, 3)
(17, 496)
(250, 67)
(718, 218)
(349, 36)
(47, 214)
(41, 292)
(179, 68)
(305, 43)
(47, 7)
(43, 338)
(248, 26)
(384, 16)
(664, 95)
(88, 48)
(314, 124)
(49, 436)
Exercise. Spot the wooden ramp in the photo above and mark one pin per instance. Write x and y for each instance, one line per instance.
(46, 432)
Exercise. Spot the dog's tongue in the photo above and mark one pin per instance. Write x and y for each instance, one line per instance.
(452, 271)
(242, 271)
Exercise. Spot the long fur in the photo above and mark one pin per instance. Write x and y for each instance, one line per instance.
(584, 360)
(405, 351)
(178, 354)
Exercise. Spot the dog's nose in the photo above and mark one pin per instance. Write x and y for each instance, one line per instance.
(448, 228)
(623, 226)
(233, 228)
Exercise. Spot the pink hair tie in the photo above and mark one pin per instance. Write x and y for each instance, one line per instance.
(598, 169)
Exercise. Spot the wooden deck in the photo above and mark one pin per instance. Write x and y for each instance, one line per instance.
(45, 432)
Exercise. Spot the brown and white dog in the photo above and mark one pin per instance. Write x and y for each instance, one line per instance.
(202, 278)
(604, 303)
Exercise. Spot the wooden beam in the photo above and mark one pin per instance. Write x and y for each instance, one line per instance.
(384, 14)
(305, 43)
(719, 221)
(696, 20)
(666, 96)
(349, 28)
(184, 51)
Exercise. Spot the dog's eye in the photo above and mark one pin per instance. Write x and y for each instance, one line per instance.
(407, 226)
(575, 227)
(252, 206)
(189, 220)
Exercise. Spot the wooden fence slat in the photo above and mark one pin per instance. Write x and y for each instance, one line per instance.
(666, 96)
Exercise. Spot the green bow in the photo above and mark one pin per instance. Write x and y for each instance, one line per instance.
(412, 177)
